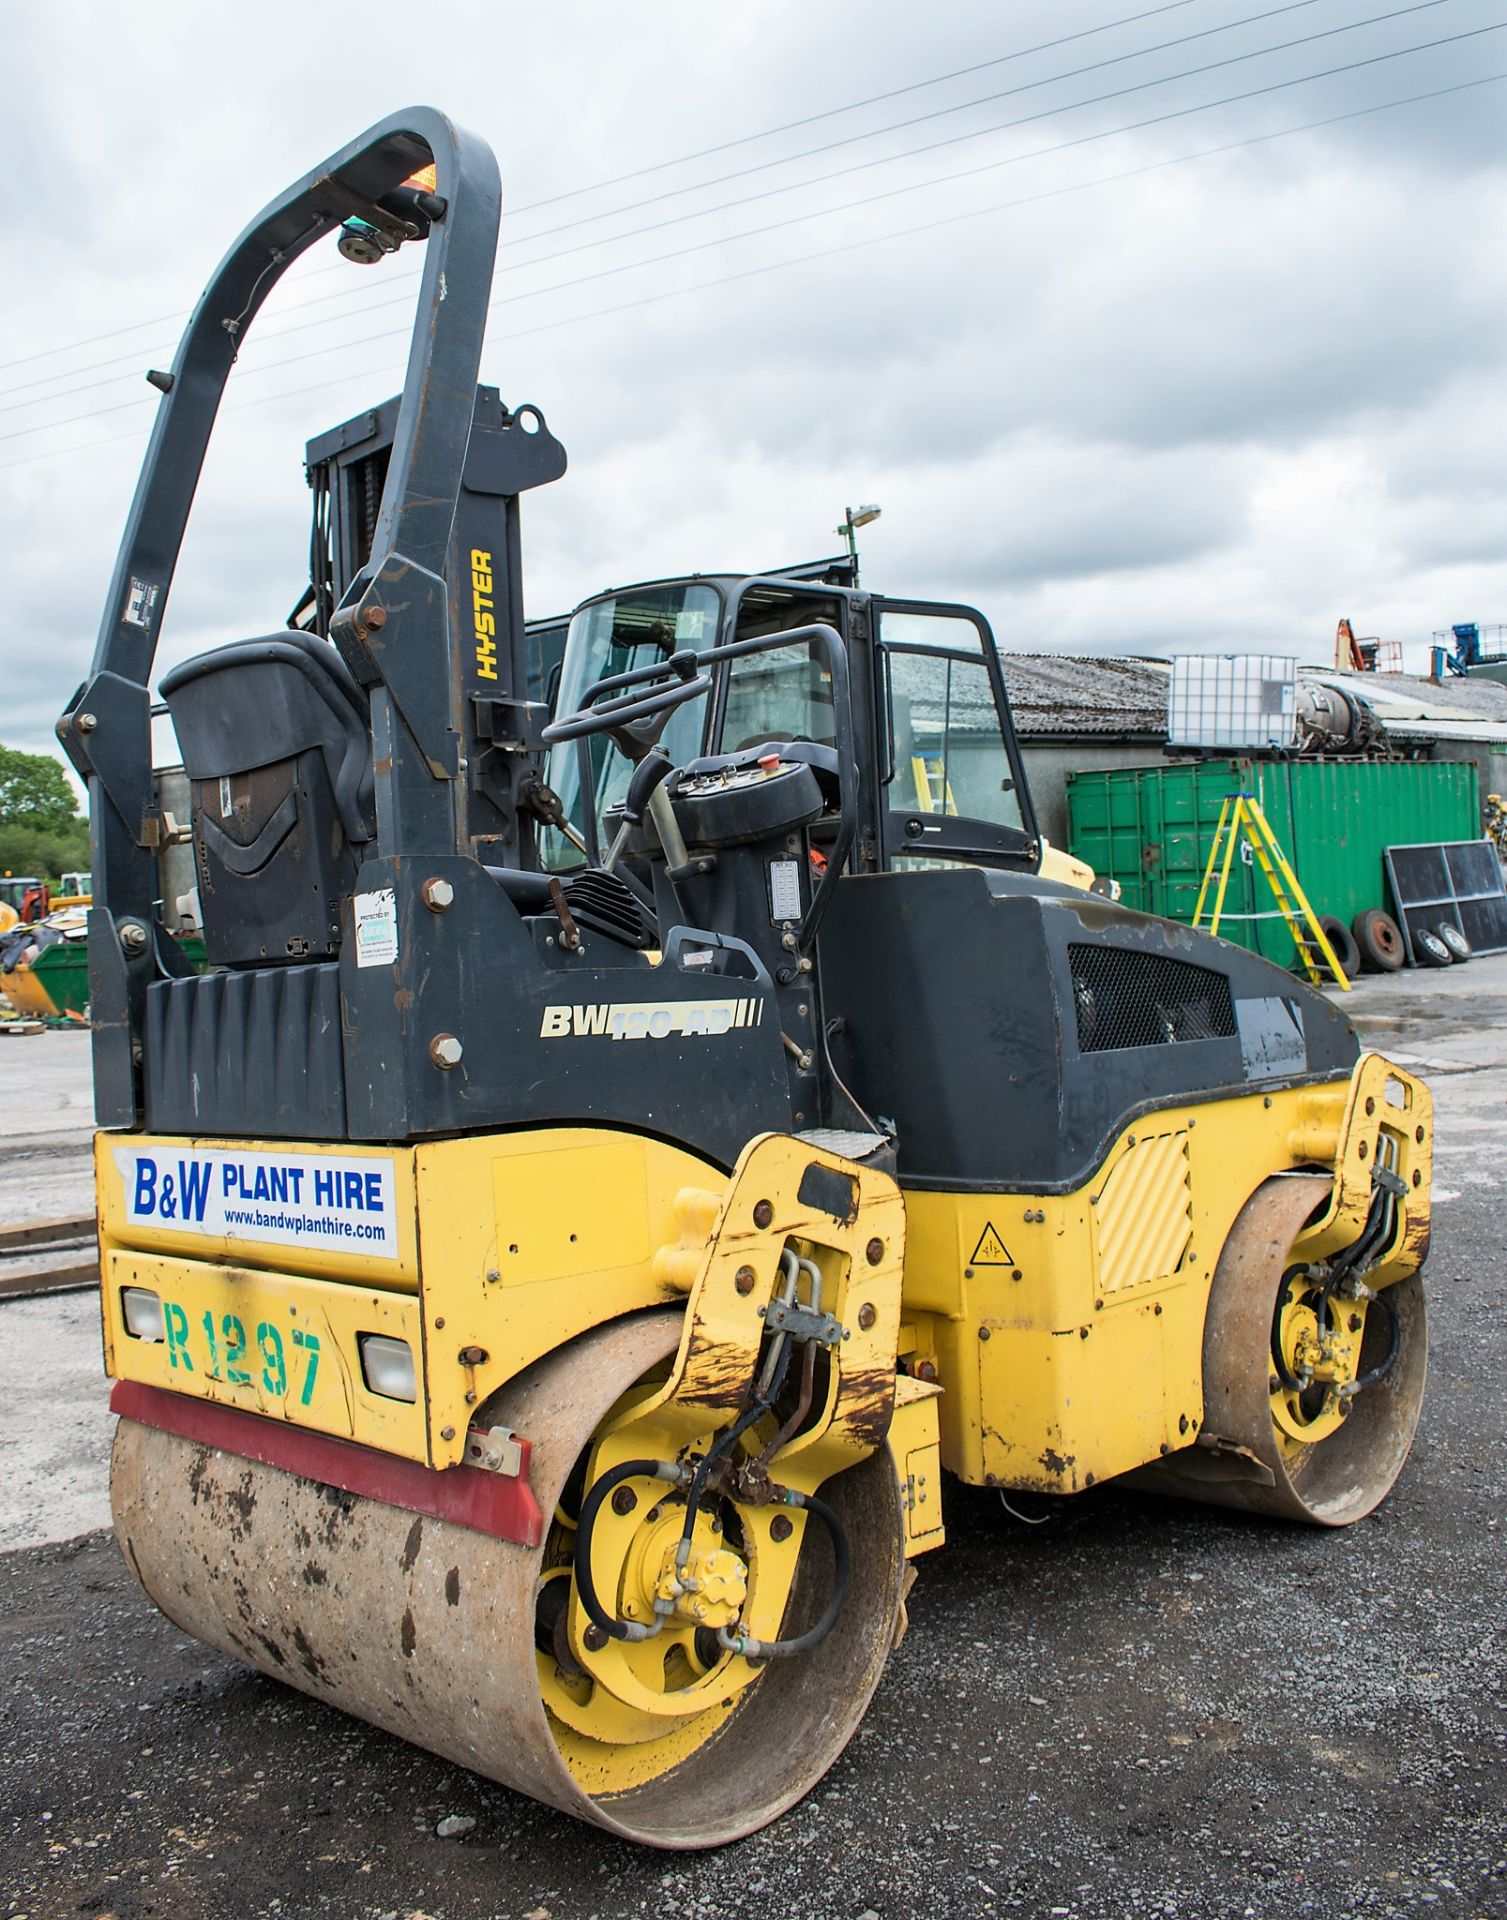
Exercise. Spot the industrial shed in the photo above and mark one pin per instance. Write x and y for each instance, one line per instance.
(1080, 713)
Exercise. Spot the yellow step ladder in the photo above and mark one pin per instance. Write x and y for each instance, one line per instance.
(933, 788)
(1241, 816)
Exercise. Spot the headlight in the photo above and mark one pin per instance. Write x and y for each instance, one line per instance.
(141, 1310)
(388, 1366)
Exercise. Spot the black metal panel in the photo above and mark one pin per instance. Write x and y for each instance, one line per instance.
(247, 1054)
(968, 1035)
(536, 1025)
(1455, 883)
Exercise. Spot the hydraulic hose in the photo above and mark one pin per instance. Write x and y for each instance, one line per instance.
(1353, 1260)
(591, 1506)
(769, 1381)
(762, 1401)
(1384, 1366)
(668, 1470)
(753, 1649)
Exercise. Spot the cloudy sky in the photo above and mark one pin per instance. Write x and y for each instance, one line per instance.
(1144, 330)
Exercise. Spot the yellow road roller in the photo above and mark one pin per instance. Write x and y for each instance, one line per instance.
(643, 1126)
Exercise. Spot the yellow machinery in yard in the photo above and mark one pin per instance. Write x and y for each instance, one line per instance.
(625, 1151)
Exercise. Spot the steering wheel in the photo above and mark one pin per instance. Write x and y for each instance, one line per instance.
(621, 715)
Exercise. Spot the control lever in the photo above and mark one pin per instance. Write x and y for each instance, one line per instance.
(648, 776)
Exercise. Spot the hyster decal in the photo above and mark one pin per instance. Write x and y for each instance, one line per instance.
(650, 1019)
(484, 616)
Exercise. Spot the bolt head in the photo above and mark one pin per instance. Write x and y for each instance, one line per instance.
(437, 894)
(624, 1500)
(744, 1280)
(133, 937)
(86, 723)
(763, 1213)
(866, 1316)
(781, 1527)
(375, 618)
(594, 1639)
(445, 1051)
(874, 1252)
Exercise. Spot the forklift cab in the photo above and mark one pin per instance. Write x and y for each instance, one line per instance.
(938, 776)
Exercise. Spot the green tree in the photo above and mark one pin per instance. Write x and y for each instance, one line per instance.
(47, 855)
(34, 793)
(42, 831)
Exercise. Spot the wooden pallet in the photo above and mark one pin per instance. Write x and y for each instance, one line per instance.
(43, 1237)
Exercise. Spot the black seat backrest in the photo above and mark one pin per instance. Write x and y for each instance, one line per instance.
(277, 748)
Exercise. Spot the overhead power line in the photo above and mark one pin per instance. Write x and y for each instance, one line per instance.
(659, 166)
(828, 252)
(133, 360)
(848, 206)
(1005, 126)
(960, 106)
(401, 297)
(873, 100)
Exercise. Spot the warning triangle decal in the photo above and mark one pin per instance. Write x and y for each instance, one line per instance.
(991, 1251)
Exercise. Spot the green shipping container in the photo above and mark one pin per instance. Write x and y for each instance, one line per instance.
(1152, 829)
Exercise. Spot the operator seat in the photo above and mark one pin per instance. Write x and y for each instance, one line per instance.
(277, 748)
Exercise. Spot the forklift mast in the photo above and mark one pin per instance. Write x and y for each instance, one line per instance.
(346, 468)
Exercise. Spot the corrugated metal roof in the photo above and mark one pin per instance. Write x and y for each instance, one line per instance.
(1057, 693)
(1400, 698)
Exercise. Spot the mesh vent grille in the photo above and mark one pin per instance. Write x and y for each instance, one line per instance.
(603, 901)
(1125, 999)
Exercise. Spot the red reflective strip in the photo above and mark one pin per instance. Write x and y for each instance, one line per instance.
(495, 1503)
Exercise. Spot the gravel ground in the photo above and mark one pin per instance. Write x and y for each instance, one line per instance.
(1134, 1708)
(56, 1420)
(48, 1104)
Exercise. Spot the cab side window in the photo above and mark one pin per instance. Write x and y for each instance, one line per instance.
(784, 695)
(949, 756)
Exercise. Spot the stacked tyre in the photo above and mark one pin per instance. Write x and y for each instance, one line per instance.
(1378, 941)
(1379, 947)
